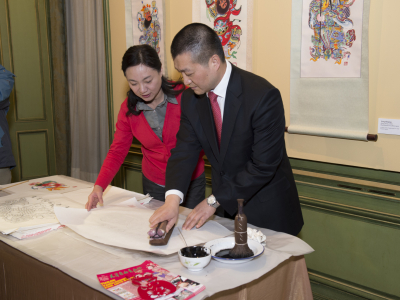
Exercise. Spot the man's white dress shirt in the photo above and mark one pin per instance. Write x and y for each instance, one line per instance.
(219, 90)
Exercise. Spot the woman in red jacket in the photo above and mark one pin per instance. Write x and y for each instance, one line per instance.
(151, 114)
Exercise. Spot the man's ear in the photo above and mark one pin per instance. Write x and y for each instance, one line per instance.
(215, 62)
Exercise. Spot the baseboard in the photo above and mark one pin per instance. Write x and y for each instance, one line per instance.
(325, 287)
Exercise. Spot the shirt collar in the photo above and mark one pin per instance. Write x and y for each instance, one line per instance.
(140, 105)
(222, 86)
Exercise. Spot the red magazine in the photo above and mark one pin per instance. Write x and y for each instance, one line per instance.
(149, 281)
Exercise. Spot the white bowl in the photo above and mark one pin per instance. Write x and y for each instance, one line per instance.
(195, 263)
(228, 243)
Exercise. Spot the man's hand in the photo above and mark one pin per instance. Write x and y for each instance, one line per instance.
(95, 197)
(198, 215)
(169, 211)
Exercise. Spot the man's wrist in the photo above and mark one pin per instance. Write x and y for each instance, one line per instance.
(212, 201)
(173, 200)
(175, 192)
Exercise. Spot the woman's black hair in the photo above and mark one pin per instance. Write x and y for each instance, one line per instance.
(147, 56)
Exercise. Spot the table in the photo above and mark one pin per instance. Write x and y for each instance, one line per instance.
(28, 272)
(27, 277)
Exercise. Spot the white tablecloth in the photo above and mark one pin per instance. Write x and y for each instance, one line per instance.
(84, 259)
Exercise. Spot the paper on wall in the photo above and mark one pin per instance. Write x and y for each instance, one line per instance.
(127, 227)
(389, 126)
(331, 38)
(233, 22)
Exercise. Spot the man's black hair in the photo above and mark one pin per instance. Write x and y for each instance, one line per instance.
(199, 40)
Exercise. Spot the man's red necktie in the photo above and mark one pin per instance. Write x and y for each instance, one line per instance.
(217, 115)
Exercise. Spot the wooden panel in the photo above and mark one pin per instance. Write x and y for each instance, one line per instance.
(25, 46)
(328, 287)
(353, 223)
(378, 207)
(26, 53)
(133, 179)
(33, 151)
(353, 250)
(346, 171)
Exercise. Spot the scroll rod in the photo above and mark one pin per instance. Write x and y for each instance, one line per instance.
(370, 137)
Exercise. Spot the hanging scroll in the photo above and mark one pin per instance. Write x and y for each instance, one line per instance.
(144, 24)
(232, 21)
(329, 68)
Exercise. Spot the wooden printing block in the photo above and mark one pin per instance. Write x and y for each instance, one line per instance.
(163, 240)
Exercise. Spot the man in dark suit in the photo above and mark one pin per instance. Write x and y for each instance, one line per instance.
(238, 119)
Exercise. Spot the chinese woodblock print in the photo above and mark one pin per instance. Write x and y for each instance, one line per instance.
(331, 38)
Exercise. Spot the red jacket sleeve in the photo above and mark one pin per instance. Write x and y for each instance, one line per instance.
(118, 150)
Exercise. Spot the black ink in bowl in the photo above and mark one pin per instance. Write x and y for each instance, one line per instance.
(195, 251)
(224, 253)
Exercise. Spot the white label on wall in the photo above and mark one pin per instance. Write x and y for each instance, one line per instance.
(389, 126)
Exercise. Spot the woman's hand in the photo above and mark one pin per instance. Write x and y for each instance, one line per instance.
(95, 197)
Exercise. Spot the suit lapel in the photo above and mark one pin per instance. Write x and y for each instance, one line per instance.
(207, 121)
(232, 104)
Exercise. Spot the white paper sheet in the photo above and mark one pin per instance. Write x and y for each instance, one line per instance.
(132, 203)
(9, 231)
(127, 227)
(48, 185)
(4, 193)
(24, 210)
(111, 195)
(33, 231)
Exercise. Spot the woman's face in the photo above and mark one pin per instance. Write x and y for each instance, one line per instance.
(145, 82)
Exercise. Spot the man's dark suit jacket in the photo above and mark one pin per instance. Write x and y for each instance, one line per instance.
(252, 163)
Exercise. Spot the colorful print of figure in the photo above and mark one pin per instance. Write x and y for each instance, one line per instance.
(229, 34)
(333, 33)
(49, 185)
(150, 26)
